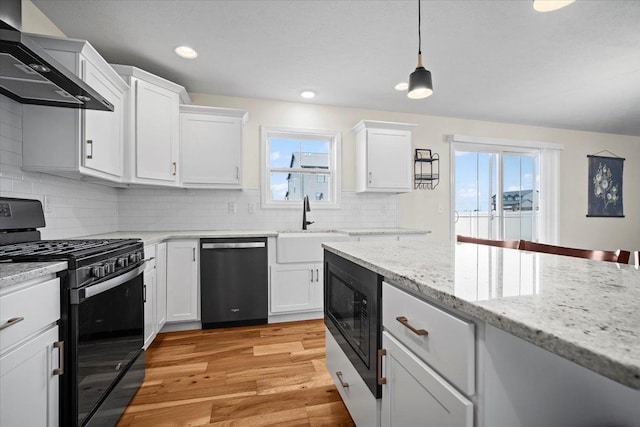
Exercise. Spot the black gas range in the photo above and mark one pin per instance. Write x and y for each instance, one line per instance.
(102, 312)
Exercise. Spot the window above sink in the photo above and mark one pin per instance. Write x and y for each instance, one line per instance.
(299, 162)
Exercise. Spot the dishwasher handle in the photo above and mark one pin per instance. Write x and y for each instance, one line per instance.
(231, 245)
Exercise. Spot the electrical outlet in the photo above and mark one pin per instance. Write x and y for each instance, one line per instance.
(252, 208)
(46, 201)
(383, 208)
(231, 208)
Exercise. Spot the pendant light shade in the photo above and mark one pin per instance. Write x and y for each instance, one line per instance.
(420, 85)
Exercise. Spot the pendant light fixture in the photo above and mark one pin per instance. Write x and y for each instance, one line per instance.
(420, 85)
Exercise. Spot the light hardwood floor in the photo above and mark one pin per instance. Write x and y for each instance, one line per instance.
(269, 375)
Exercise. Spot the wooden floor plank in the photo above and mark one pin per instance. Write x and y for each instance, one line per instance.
(267, 375)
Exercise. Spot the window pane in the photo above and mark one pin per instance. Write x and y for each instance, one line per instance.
(520, 196)
(475, 177)
(293, 186)
(298, 153)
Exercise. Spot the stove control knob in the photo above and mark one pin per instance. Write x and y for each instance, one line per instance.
(133, 258)
(123, 262)
(110, 267)
(98, 271)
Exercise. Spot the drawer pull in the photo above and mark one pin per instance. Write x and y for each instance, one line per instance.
(60, 346)
(405, 322)
(342, 383)
(381, 379)
(11, 322)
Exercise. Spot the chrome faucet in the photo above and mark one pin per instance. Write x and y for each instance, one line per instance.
(305, 208)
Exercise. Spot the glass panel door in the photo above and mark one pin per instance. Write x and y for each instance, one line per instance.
(520, 196)
(496, 194)
(476, 176)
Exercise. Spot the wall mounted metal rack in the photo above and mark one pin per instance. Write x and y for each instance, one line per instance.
(426, 169)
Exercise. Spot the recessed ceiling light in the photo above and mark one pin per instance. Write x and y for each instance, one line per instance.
(401, 86)
(186, 52)
(550, 5)
(308, 94)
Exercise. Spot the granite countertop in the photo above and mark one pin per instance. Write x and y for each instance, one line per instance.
(585, 311)
(19, 272)
(152, 237)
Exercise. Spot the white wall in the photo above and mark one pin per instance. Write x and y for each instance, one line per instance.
(429, 209)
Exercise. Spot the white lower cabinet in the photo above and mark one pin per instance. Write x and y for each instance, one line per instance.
(415, 395)
(28, 386)
(296, 287)
(31, 356)
(363, 407)
(183, 296)
(429, 352)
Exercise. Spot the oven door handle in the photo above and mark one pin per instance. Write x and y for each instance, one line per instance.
(78, 295)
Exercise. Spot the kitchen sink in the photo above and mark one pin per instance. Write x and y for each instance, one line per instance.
(305, 246)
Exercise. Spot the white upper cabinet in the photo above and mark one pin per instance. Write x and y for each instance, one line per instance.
(152, 127)
(383, 156)
(211, 146)
(77, 143)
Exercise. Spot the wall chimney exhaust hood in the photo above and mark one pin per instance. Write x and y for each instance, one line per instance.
(29, 75)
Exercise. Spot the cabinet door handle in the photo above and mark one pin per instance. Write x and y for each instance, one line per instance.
(144, 293)
(369, 177)
(194, 254)
(237, 172)
(405, 322)
(60, 346)
(381, 379)
(317, 275)
(89, 148)
(11, 322)
(175, 168)
(342, 383)
(311, 271)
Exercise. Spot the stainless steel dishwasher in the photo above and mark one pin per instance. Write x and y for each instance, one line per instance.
(233, 282)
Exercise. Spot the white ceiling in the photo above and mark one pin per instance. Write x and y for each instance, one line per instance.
(576, 68)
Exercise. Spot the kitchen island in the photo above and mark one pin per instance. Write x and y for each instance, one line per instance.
(543, 325)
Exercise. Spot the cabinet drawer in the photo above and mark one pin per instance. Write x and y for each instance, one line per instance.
(363, 407)
(38, 305)
(448, 346)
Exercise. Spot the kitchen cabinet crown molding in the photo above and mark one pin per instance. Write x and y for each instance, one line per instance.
(227, 112)
(375, 124)
(131, 71)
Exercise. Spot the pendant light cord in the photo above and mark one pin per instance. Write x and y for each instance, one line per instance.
(419, 34)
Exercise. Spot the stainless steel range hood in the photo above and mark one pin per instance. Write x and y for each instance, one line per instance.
(29, 75)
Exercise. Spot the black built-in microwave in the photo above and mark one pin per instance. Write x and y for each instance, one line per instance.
(352, 308)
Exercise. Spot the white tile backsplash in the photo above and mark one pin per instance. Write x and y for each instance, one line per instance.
(179, 209)
(79, 208)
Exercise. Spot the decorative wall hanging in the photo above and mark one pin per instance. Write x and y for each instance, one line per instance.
(605, 186)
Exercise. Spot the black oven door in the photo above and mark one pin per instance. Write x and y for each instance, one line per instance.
(107, 321)
(352, 314)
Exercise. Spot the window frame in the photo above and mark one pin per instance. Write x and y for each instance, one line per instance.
(334, 171)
